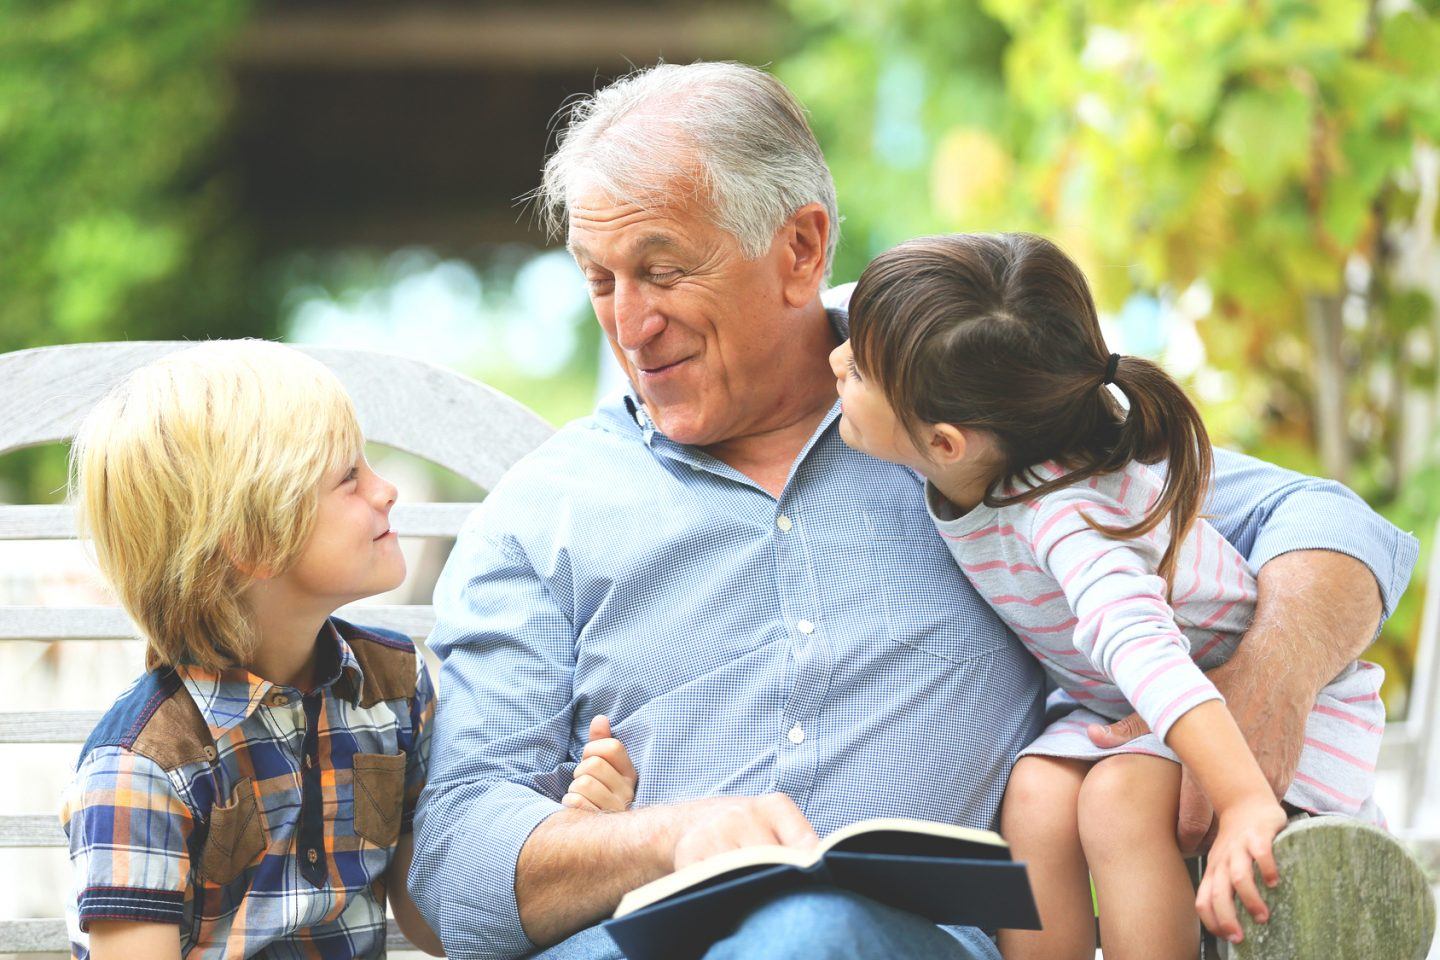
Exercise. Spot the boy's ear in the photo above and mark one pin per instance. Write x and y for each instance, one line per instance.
(947, 444)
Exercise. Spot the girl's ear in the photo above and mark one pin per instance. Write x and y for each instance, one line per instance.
(947, 444)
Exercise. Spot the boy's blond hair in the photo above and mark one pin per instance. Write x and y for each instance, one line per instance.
(196, 472)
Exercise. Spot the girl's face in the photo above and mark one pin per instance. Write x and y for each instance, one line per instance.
(867, 421)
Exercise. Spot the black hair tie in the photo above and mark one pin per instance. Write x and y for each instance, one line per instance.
(1111, 367)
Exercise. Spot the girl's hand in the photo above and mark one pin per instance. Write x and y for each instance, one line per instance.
(1246, 837)
(604, 779)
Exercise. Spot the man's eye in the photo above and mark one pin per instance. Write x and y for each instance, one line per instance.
(598, 284)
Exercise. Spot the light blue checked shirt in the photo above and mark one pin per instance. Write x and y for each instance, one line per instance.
(824, 645)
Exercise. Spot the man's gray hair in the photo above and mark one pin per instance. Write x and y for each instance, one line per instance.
(736, 134)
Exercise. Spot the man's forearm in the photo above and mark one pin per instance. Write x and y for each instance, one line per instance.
(1317, 611)
(577, 865)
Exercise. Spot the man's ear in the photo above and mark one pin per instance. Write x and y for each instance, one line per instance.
(946, 444)
(806, 238)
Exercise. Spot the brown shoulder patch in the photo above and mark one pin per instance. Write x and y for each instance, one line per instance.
(176, 733)
(388, 666)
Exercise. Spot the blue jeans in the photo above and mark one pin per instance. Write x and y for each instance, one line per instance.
(821, 923)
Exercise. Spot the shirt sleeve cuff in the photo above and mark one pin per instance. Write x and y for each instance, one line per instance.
(1352, 529)
(481, 916)
(130, 903)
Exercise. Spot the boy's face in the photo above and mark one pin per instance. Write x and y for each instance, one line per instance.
(867, 421)
(352, 552)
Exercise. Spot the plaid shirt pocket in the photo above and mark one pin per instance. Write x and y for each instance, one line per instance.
(236, 836)
(379, 796)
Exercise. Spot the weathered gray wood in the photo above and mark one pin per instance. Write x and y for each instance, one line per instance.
(31, 830)
(48, 726)
(1346, 890)
(43, 522)
(110, 623)
(410, 405)
(47, 936)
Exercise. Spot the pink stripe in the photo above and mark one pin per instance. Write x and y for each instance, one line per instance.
(1336, 752)
(1000, 565)
(1348, 718)
(1218, 615)
(1003, 530)
(1181, 702)
(1136, 647)
(1100, 611)
(1057, 628)
(1327, 789)
(1165, 667)
(1214, 640)
(1075, 570)
(1194, 573)
(1087, 695)
(1073, 508)
(1124, 488)
(1365, 699)
(1033, 602)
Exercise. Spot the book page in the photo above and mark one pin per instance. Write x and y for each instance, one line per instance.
(748, 858)
(922, 828)
(714, 868)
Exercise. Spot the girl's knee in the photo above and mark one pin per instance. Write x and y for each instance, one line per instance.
(1041, 798)
(1128, 804)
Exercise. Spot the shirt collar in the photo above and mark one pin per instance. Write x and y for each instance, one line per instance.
(226, 698)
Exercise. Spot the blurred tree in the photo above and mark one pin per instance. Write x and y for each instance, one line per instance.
(115, 222)
(1279, 157)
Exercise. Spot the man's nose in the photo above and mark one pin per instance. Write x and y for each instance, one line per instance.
(637, 321)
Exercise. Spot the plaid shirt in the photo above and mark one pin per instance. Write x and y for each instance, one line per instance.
(259, 818)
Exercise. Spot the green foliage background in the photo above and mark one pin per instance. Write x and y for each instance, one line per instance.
(1264, 150)
(116, 221)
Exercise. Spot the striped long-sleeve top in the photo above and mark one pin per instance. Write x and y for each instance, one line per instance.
(1094, 611)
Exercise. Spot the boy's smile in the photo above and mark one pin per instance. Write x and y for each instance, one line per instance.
(352, 551)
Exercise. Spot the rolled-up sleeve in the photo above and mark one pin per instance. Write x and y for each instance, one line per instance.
(1266, 511)
(498, 762)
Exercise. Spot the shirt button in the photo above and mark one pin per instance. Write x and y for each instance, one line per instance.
(210, 753)
(805, 627)
(796, 734)
(279, 700)
(312, 856)
(783, 522)
(308, 762)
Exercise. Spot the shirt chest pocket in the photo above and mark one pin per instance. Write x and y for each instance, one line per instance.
(379, 796)
(928, 603)
(236, 837)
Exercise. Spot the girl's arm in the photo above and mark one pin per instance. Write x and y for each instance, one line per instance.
(127, 939)
(1209, 743)
(1126, 628)
(407, 915)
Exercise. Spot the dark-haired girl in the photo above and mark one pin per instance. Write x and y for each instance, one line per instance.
(979, 362)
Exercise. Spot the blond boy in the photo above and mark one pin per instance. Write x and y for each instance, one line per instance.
(253, 791)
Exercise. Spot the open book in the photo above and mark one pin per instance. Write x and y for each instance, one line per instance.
(948, 874)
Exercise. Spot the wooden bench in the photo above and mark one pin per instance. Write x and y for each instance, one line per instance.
(421, 409)
(1350, 891)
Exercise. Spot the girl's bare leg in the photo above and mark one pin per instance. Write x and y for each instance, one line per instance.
(1127, 811)
(1039, 821)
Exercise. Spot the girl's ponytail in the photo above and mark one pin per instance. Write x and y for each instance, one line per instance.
(1162, 424)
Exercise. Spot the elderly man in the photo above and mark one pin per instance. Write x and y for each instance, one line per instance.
(781, 639)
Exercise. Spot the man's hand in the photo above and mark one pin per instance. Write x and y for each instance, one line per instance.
(1317, 611)
(728, 823)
